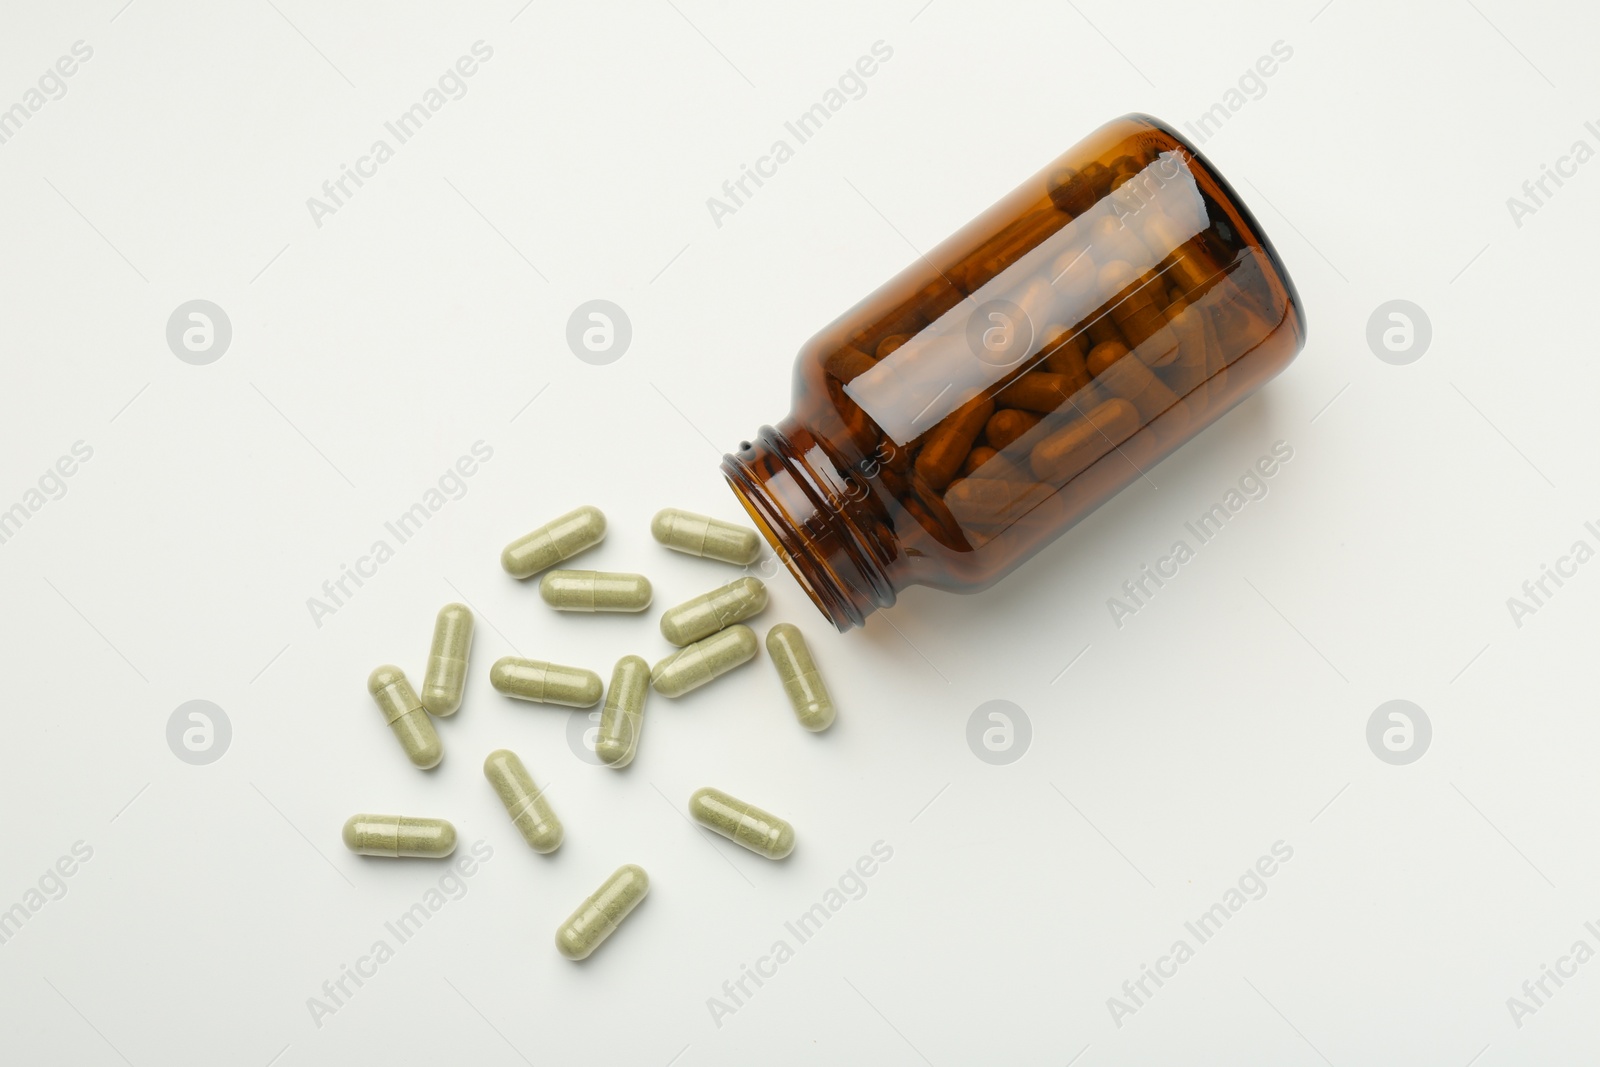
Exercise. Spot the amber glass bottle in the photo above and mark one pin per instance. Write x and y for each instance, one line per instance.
(1016, 377)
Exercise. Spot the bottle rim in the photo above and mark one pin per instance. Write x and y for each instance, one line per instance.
(844, 584)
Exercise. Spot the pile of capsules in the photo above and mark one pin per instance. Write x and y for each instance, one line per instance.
(711, 642)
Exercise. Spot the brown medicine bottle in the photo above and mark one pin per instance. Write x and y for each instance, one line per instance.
(1020, 374)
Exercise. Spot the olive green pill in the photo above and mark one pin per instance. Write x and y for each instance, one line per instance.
(713, 611)
(403, 711)
(398, 835)
(446, 678)
(525, 803)
(701, 535)
(798, 673)
(623, 716)
(744, 824)
(694, 666)
(545, 683)
(599, 916)
(553, 542)
(595, 591)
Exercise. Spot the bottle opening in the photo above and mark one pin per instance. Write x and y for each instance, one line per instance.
(807, 526)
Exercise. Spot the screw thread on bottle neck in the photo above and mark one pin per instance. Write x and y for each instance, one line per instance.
(791, 490)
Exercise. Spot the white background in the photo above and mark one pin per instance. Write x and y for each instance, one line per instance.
(371, 352)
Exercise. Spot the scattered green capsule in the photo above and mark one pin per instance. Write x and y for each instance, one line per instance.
(798, 673)
(694, 666)
(553, 542)
(595, 591)
(398, 835)
(600, 915)
(446, 678)
(525, 803)
(403, 711)
(713, 611)
(744, 824)
(701, 535)
(545, 683)
(623, 716)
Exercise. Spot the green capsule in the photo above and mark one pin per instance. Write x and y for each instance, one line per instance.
(595, 591)
(553, 542)
(403, 711)
(798, 673)
(600, 915)
(694, 666)
(397, 835)
(700, 535)
(623, 716)
(713, 611)
(525, 803)
(446, 678)
(545, 683)
(744, 824)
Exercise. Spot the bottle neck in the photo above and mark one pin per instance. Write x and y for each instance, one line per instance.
(803, 504)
